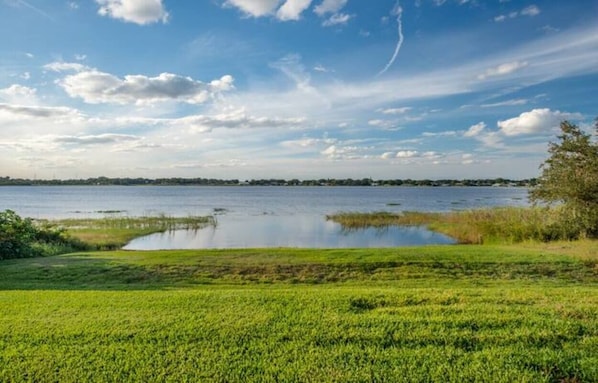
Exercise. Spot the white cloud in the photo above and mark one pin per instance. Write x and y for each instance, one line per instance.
(329, 6)
(534, 121)
(97, 87)
(515, 102)
(503, 69)
(292, 9)
(35, 112)
(59, 66)
(237, 119)
(448, 133)
(402, 110)
(532, 10)
(384, 124)
(18, 94)
(100, 139)
(337, 19)
(134, 11)
(407, 154)
(475, 130)
(254, 8)
(321, 68)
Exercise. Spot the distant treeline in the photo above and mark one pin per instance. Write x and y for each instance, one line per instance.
(7, 181)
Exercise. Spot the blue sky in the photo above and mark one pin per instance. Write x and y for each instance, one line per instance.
(291, 88)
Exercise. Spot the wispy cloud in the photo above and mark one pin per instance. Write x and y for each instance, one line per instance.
(398, 12)
(26, 4)
(503, 69)
(529, 11)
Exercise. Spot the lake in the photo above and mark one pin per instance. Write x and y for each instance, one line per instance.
(260, 216)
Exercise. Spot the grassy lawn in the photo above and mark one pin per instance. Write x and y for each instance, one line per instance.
(518, 313)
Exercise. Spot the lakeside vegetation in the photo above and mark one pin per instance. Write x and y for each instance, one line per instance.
(25, 237)
(482, 226)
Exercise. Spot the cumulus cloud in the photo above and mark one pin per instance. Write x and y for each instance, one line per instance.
(97, 87)
(140, 12)
(407, 153)
(18, 94)
(537, 120)
(254, 8)
(292, 9)
(503, 69)
(475, 130)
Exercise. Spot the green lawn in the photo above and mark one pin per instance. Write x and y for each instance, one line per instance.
(525, 313)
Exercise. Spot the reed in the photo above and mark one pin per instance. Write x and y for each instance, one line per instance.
(494, 225)
(112, 233)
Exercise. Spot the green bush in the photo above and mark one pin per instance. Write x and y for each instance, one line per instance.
(22, 238)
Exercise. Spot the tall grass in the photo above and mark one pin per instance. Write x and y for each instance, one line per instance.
(112, 233)
(495, 225)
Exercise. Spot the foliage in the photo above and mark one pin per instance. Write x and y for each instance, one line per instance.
(481, 226)
(427, 314)
(570, 177)
(111, 233)
(22, 238)
(16, 235)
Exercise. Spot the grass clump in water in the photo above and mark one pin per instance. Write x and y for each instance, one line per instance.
(495, 225)
(111, 233)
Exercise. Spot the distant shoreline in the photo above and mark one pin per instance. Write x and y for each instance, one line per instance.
(105, 181)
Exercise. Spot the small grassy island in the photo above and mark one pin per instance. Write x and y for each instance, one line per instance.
(517, 301)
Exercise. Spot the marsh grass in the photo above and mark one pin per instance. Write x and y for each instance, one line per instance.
(112, 233)
(482, 226)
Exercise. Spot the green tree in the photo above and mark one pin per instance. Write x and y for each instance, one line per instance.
(570, 179)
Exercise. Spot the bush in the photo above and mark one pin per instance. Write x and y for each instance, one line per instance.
(22, 238)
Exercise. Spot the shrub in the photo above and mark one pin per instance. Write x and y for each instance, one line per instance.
(22, 238)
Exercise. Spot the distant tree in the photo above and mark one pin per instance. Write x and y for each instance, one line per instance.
(570, 178)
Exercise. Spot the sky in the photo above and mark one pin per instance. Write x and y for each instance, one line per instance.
(307, 89)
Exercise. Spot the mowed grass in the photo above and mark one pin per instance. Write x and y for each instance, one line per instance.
(446, 314)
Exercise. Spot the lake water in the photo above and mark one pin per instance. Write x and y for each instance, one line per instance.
(259, 216)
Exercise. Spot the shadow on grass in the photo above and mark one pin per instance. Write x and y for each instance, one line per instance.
(95, 271)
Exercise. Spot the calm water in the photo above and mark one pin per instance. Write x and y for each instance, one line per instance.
(258, 216)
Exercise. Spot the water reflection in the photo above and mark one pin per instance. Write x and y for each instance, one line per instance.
(285, 231)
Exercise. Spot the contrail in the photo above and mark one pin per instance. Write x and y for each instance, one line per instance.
(35, 9)
(397, 11)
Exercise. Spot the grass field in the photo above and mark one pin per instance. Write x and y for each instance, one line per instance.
(524, 313)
